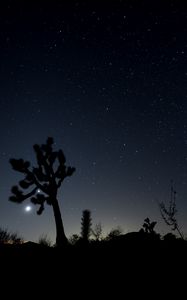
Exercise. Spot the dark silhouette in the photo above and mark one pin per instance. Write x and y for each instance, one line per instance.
(115, 232)
(7, 237)
(148, 229)
(149, 226)
(97, 232)
(169, 237)
(86, 225)
(169, 213)
(44, 240)
(74, 239)
(43, 181)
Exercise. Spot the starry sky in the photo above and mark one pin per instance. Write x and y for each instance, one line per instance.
(107, 80)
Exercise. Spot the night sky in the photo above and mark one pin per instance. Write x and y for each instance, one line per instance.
(107, 80)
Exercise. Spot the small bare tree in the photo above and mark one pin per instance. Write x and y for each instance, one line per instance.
(97, 231)
(169, 214)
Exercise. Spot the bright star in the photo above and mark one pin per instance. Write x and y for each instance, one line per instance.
(28, 208)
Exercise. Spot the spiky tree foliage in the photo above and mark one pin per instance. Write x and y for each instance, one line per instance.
(86, 225)
(149, 226)
(43, 182)
(4, 236)
(169, 214)
(8, 237)
(44, 240)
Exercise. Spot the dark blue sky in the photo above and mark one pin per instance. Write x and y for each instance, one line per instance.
(108, 80)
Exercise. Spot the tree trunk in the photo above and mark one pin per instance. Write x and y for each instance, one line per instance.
(61, 239)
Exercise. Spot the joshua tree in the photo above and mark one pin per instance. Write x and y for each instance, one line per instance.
(43, 182)
(148, 229)
(169, 213)
(148, 226)
(86, 225)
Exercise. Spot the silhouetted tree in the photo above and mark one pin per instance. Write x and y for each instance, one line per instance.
(149, 226)
(169, 237)
(43, 182)
(115, 232)
(97, 232)
(86, 225)
(74, 238)
(169, 213)
(148, 229)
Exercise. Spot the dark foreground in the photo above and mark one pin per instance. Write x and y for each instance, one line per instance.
(116, 267)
